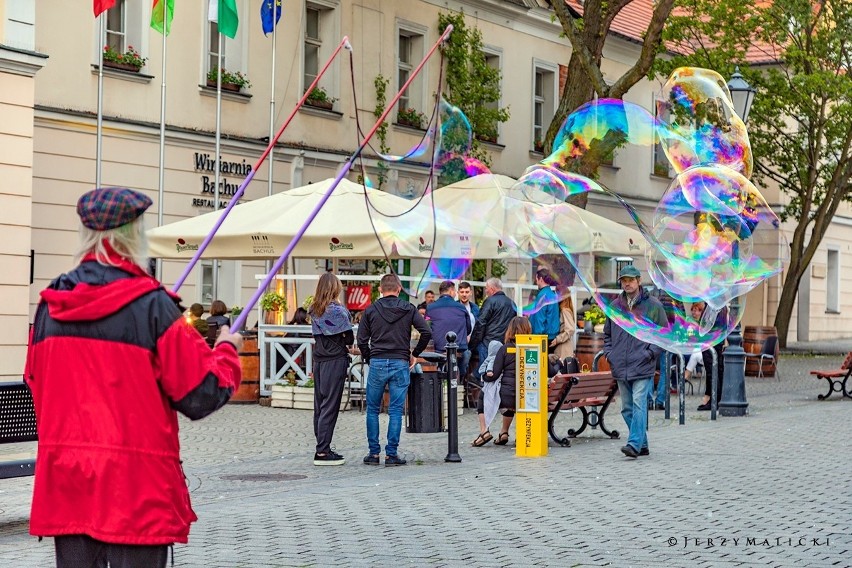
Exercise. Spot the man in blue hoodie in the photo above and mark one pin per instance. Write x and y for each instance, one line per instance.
(384, 339)
(545, 316)
(633, 361)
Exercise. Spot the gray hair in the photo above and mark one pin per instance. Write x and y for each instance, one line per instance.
(128, 240)
(494, 283)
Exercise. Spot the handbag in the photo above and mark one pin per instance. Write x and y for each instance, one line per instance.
(570, 365)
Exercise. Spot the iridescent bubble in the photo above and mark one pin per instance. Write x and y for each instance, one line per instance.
(702, 125)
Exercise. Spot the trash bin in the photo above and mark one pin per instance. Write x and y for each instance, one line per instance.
(424, 402)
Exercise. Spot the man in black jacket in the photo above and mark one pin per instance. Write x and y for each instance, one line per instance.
(497, 311)
(384, 338)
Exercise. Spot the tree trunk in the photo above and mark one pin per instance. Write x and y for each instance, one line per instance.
(789, 291)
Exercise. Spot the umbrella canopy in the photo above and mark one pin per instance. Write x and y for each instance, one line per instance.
(262, 229)
(506, 221)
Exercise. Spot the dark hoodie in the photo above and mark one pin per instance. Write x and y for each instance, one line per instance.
(385, 330)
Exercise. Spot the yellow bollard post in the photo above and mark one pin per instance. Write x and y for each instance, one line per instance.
(531, 396)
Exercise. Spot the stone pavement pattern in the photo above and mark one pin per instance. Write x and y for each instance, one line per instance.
(783, 472)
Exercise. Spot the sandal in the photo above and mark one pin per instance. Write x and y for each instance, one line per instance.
(482, 439)
(502, 439)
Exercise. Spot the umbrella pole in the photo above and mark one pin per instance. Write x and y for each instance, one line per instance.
(241, 319)
(344, 43)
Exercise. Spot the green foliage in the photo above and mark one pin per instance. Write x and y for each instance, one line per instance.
(320, 95)
(235, 78)
(272, 301)
(595, 315)
(800, 125)
(473, 87)
(236, 310)
(381, 84)
(129, 57)
(411, 117)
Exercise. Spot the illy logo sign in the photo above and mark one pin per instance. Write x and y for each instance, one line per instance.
(358, 297)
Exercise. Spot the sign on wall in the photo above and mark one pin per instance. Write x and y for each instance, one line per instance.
(358, 297)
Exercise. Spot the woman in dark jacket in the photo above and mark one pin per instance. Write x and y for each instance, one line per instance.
(332, 331)
(218, 311)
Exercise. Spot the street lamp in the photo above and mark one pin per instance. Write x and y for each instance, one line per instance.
(733, 401)
(742, 94)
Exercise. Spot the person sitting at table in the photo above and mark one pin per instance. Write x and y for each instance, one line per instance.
(195, 312)
(219, 314)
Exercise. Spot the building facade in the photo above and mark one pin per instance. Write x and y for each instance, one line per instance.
(49, 75)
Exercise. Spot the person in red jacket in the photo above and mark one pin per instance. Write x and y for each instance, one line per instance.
(110, 363)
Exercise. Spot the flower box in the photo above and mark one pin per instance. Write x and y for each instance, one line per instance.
(325, 105)
(122, 66)
(299, 398)
(234, 88)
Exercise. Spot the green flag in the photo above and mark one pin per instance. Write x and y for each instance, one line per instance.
(224, 13)
(162, 13)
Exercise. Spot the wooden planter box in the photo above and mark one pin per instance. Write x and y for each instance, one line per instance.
(123, 66)
(325, 105)
(225, 86)
(409, 123)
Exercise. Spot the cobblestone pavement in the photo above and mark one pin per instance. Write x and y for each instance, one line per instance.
(770, 489)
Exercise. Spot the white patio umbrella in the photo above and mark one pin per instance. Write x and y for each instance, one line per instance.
(262, 229)
(505, 221)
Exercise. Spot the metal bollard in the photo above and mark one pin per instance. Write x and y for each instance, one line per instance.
(452, 400)
(733, 401)
(714, 385)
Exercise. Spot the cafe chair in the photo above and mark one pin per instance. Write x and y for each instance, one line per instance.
(356, 383)
(767, 353)
(212, 333)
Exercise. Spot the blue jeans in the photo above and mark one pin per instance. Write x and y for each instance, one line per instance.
(482, 351)
(660, 398)
(394, 374)
(634, 409)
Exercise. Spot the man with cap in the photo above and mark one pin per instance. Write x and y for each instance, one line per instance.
(111, 361)
(633, 361)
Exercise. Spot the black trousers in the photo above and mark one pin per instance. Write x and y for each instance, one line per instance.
(82, 551)
(329, 378)
(708, 370)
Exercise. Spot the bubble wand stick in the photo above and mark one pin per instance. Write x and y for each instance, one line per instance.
(241, 319)
(344, 43)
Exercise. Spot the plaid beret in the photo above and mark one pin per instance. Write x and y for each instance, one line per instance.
(110, 207)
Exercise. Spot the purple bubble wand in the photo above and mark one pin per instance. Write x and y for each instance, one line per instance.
(344, 43)
(241, 319)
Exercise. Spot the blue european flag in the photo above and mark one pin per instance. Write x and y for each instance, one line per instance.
(266, 15)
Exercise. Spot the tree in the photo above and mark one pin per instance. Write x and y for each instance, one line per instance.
(474, 87)
(588, 33)
(800, 125)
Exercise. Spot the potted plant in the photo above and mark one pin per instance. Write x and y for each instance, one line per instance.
(320, 98)
(595, 319)
(231, 81)
(410, 117)
(538, 145)
(273, 304)
(130, 60)
(236, 311)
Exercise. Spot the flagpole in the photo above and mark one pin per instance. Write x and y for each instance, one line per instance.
(272, 111)
(241, 319)
(100, 123)
(215, 287)
(344, 44)
(162, 170)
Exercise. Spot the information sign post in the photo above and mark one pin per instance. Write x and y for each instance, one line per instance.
(531, 396)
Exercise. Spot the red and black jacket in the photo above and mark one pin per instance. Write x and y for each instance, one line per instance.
(111, 360)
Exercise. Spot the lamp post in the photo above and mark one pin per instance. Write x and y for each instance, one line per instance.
(733, 401)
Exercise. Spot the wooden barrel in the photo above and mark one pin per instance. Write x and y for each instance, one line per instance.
(753, 338)
(588, 345)
(249, 391)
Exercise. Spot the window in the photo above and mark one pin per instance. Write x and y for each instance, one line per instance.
(832, 282)
(126, 26)
(409, 52)
(320, 36)
(232, 49)
(313, 44)
(20, 24)
(661, 166)
(544, 98)
(116, 25)
(206, 293)
(493, 61)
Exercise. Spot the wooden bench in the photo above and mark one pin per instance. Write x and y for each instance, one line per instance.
(586, 391)
(837, 378)
(17, 424)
